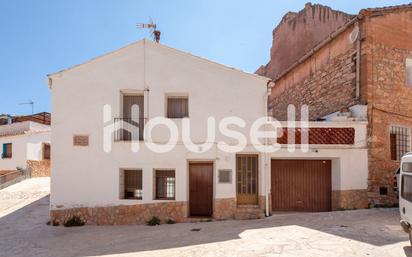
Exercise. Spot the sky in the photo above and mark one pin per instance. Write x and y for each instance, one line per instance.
(39, 37)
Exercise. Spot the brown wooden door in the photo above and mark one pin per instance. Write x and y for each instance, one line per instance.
(301, 185)
(247, 179)
(201, 189)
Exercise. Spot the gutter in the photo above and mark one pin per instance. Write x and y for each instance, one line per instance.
(270, 84)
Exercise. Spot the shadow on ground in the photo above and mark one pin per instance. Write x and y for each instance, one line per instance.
(25, 233)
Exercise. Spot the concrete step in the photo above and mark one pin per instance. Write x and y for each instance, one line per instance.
(249, 213)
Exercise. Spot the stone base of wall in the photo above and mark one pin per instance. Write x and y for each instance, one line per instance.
(39, 168)
(349, 199)
(224, 208)
(123, 214)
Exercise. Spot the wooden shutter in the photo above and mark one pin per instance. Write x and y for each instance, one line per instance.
(177, 107)
(46, 151)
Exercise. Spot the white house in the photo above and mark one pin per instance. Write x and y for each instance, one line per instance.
(107, 175)
(25, 143)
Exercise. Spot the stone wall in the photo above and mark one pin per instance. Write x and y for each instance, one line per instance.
(349, 199)
(325, 82)
(39, 168)
(302, 31)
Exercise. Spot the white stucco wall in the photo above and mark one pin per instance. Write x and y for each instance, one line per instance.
(25, 147)
(87, 176)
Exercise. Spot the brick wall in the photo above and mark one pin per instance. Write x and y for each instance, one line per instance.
(388, 43)
(302, 31)
(325, 82)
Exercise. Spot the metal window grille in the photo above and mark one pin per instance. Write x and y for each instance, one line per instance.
(165, 184)
(400, 142)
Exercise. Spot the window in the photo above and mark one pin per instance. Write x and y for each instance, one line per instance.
(7, 151)
(130, 126)
(165, 184)
(406, 191)
(408, 67)
(407, 167)
(46, 151)
(399, 142)
(177, 107)
(132, 184)
(225, 176)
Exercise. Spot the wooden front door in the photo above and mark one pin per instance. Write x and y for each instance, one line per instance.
(201, 189)
(247, 179)
(301, 185)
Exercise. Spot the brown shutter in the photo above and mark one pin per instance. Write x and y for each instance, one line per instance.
(393, 147)
(177, 107)
(9, 150)
(46, 151)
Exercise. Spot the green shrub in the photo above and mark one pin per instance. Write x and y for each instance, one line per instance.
(74, 221)
(170, 221)
(154, 221)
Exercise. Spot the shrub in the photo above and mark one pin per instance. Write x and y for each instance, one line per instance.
(154, 221)
(170, 221)
(74, 221)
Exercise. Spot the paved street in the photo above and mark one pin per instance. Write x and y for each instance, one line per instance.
(23, 232)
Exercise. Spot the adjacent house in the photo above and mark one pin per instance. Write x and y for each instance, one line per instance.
(106, 172)
(350, 68)
(25, 144)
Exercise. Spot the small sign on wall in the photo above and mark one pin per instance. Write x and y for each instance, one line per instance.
(81, 140)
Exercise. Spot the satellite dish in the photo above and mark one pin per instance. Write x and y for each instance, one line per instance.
(353, 36)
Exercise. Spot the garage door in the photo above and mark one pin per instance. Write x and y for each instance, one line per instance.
(301, 185)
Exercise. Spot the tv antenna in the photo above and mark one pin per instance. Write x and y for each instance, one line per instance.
(154, 33)
(29, 103)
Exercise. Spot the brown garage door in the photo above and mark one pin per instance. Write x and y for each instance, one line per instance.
(201, 189)
(301, 185)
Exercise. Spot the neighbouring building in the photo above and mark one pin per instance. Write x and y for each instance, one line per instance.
(25, 142)
(100, 178)
(357, 68)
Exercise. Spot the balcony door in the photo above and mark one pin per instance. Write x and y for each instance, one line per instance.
(133, 114)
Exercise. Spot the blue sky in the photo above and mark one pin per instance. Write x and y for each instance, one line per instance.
(38, 37)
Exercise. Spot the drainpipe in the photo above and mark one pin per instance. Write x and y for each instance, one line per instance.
(270, 84)
(358, 61)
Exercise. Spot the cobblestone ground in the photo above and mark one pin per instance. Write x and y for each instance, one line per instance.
(23, 232)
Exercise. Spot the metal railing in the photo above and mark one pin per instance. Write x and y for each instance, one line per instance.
(128, 129)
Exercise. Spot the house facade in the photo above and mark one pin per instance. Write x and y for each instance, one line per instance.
(25, 142)
(106, 172)
(359, 71)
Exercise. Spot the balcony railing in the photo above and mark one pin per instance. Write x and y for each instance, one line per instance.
(128, 129)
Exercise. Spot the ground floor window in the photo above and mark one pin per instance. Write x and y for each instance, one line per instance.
(7, 151)
(407, 188)
(46, 151)
(165, 184)
(400, 142)
(131, 184)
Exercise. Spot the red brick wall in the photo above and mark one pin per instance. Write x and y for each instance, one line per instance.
(388, 43)
(302, 31)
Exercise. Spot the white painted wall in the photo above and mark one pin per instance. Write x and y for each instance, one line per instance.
(87, 176)
(25, 147)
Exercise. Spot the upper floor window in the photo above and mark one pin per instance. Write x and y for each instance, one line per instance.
(408, 68)
(7, 151)
(177, 107)
(130, 126)
(400, 142)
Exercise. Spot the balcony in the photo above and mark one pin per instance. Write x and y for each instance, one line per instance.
(128, 129)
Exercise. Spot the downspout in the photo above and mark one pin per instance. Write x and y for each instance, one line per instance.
(270, 84)
(358, 61)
